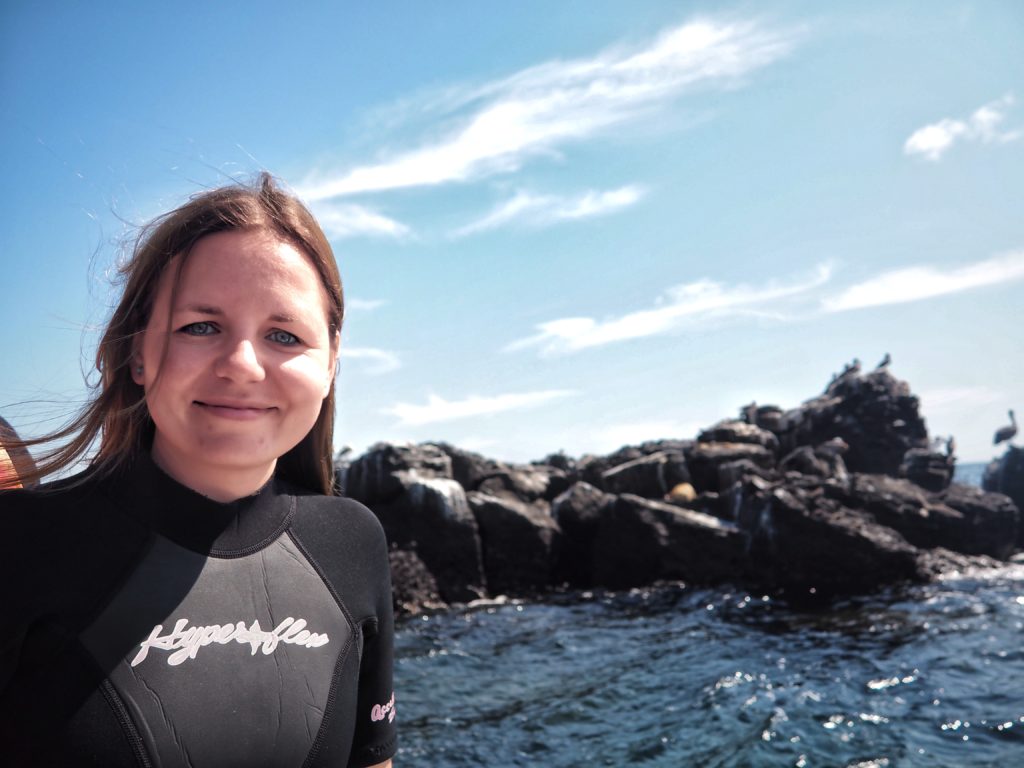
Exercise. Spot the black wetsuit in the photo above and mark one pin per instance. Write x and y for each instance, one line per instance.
(146, 625)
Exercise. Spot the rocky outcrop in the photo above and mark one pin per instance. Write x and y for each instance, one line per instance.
(804, 541)
(961, 519)
(716, 466)
(650, 476)
(875, 415)
(423, 510)
(519, 542)
(640, 541)
(578, 513)
(929, 469)
(413, 586)
(840, 495)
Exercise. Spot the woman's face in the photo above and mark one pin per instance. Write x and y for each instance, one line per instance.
(240, 377)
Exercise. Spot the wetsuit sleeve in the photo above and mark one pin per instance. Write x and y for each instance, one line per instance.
(375, 737)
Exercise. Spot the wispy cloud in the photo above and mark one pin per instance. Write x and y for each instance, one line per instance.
(363, 305)
(377, 361)
(499, 125)
(924, 282)
(684, 305)
(934, 140)
(542, 210)
(952, 399)
(344, 220)
(437, 409)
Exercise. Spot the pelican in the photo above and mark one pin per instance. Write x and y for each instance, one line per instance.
(885, 362)
(1007, 432)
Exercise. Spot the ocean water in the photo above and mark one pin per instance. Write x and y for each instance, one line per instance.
(927, 675)
(930, 675)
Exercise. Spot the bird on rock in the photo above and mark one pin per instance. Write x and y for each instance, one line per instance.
(1007, 432)
(885, 362)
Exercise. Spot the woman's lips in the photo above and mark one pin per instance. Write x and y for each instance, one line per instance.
(232, 411)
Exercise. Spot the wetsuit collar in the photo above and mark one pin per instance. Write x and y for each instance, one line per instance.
(194, 521)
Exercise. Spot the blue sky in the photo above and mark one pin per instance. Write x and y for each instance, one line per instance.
(566, 225)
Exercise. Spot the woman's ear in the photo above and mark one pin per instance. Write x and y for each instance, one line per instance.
(137, 368)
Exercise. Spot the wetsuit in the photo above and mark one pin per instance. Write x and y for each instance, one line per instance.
(146, 625)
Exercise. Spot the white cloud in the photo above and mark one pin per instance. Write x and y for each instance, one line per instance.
(437, 409)
(378, 361)
(363, 305)
(934, 140)
(541, 210)
(681, 306)
(956, 399)
(924, 282)
(343, 220)
(502, 124)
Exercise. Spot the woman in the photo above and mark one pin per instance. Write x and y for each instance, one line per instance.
(196, 597)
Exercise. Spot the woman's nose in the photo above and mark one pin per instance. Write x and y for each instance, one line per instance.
(241, 362)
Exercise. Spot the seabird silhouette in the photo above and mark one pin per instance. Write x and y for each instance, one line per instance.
(885, 362)
(749, 412)
(1007, 432)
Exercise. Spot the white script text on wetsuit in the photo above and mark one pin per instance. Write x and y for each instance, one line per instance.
(186, 641)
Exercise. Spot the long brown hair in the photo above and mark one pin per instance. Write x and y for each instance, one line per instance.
(116, 414)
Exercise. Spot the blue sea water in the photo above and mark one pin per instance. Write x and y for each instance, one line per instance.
(927, 675)
(930, 676)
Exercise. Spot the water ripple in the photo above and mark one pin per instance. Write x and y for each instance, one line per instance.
(668, 677)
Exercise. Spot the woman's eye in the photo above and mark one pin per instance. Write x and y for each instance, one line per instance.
(283, 337)
(199, 329)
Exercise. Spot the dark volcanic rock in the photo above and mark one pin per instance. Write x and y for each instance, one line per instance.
(803, 541)
(650, 476)
(705, 459)
(413, 587)
(1006, 475)
(803, 460)
(578, 513)
(992, 522)
(468, 468)
(518, 543)
(823, 461)
(431, 517)
(980, 525)
(875, 414)
(527, 483)
(373, 476)
(590, 469)
(929, 469)
(640, 541)
(736, 431)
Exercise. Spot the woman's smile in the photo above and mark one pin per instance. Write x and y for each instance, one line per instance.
(234, 411)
